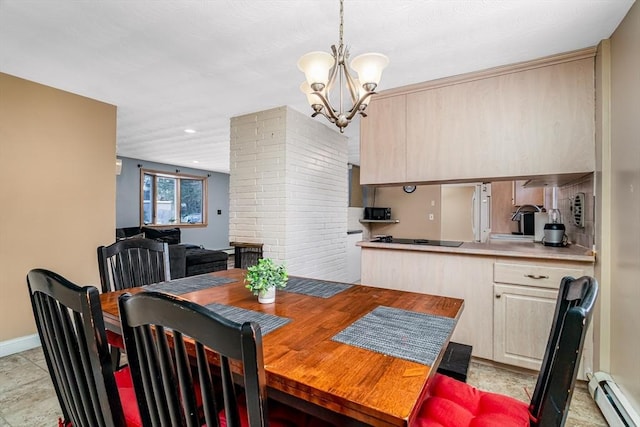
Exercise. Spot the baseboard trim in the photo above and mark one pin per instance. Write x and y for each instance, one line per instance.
(19, 344)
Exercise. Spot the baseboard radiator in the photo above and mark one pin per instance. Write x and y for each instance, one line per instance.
(612, 403)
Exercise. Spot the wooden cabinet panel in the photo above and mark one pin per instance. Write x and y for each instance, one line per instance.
(460, 276)
(522, 321)
(532, 122)
(383, 142)
(527, 196)
(524, 303)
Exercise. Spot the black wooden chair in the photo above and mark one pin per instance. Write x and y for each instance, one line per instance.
(71, 329)
(453, 403)
(133, 262)
(158, 328)
(127, 264)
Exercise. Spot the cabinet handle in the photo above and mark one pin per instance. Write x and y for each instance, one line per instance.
(498, 296)
(535, 276)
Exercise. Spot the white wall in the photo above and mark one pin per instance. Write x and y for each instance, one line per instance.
(288, 190)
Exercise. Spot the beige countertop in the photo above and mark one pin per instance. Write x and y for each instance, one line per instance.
(499, 248)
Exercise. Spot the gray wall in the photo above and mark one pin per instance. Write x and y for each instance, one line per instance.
(214, 236)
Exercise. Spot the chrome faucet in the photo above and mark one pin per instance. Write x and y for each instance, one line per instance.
(517, 214)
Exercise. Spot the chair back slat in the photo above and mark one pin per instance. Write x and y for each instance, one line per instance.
(554, 388)
(133, 262)
(71, 329)
(158, 328)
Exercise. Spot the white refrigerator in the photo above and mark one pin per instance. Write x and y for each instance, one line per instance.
(466, 212)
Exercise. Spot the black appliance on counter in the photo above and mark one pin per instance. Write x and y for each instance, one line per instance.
(377, 214)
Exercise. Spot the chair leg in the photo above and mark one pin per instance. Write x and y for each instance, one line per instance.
(115, 357)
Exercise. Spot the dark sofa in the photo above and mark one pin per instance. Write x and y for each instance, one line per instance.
(184, 259)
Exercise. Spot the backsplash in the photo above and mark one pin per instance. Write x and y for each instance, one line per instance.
(578, 235)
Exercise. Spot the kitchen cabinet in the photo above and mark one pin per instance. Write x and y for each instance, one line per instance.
(382, 141)
(524, 302)
(527, 195)
(460, 276)
(528, 119)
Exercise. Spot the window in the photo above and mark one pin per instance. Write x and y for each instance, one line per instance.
(172, 199)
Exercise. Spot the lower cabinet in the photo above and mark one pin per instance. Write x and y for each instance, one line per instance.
(523, 308)
(509, 303)
(521, 323)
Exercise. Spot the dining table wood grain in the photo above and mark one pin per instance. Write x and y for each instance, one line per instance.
(304, 367)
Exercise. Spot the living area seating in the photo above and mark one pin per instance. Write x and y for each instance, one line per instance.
(184, 259)
(451, 403)
(72, 333)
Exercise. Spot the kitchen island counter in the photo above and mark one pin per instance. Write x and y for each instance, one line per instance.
(498, 248)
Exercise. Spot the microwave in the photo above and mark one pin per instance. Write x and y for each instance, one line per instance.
(377, 214)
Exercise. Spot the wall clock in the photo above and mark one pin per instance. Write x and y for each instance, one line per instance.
(409, 188)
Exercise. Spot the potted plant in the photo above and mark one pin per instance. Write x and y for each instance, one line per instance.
(264, 278)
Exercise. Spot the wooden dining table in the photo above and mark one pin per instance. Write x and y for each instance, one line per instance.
(308, 368)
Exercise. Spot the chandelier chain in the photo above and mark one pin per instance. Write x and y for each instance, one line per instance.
(341, 20)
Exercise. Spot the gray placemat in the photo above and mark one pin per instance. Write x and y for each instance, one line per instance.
(189, 284)
(267, 322)
(409, 335)
(315, 288)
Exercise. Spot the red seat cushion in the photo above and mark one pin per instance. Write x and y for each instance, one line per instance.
(128, 397)
(114, 339)
(451, 403)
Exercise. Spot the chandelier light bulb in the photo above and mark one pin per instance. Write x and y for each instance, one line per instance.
(369, 67)
(316, 66)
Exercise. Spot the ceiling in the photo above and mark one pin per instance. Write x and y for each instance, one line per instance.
(173, 65)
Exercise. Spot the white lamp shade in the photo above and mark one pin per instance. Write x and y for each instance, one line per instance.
(311, 98)
(316, 66)
(369, 67)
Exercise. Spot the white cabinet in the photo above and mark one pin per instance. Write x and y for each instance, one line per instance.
(453, 275)
(524, 302)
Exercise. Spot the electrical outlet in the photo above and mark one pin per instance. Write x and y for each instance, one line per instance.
(431, 217)
(219, 211)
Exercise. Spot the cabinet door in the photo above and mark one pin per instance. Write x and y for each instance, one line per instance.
(522, 322)
(383, 142)
(533, 122)
(527, 196)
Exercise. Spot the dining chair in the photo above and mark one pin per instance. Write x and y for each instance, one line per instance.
(71, 328)
(159, 329)
(451, 403)
(131, 263)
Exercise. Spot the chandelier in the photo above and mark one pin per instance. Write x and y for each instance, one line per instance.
(322, 69)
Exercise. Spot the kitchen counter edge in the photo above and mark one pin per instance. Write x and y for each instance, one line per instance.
(503, 249)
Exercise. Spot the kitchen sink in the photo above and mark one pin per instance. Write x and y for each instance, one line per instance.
(512, 237)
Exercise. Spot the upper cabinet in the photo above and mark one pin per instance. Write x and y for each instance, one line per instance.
(383, 136)
(527, 195)
(524, 120)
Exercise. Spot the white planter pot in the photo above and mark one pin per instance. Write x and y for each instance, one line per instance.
(268, 296)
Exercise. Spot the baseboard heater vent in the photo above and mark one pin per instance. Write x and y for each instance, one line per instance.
(614, 405)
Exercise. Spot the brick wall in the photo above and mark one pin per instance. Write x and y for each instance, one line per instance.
(288, 190)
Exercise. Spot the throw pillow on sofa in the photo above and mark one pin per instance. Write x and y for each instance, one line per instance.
(168, 235)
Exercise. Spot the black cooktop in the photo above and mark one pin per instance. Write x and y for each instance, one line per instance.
(448, 243)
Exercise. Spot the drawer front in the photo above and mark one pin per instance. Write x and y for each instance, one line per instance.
(533, 275)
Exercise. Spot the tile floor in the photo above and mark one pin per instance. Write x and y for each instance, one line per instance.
(27, 398)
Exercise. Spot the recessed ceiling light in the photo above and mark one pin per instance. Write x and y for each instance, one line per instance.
(195, 161)
(190, 131)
